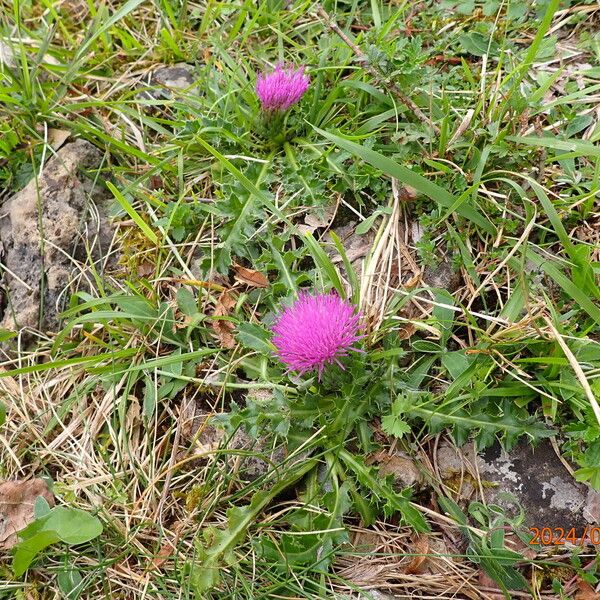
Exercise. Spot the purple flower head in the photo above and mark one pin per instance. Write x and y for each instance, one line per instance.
(282, 88)
(315, 331)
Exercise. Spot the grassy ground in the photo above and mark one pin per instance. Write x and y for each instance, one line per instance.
(452, 145)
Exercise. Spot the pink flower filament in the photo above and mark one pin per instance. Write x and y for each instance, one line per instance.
(316, 331)
(282, 88)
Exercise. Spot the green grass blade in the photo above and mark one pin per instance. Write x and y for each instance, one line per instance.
(579, 297)
(408, 177)
(578, 147)
(133, 213)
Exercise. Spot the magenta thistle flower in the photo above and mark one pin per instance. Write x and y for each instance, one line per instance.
(282, 88)
(315, 331)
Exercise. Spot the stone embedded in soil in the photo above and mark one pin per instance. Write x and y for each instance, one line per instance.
(457, 467)
(442, 276)
(249, 458)
(164, 79)
(44, 229)
(542, 486)
(533, 478)
(400, 466)
(356, 246)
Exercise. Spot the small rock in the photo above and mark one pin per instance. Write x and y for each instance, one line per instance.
(196, 427)
(531, 478)
(165, 79)
(261, 461)
(400, 466)
(541, 485)
(456, 467)
(257, 458)
(38, 260)
(7, 57)
(356, 246)
(443, 276)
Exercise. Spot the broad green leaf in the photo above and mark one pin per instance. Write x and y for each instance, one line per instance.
(41, 508)
(26, 551)
(73, 526)
(62, 524)
(150, 397)
(6, 335)
(70, 583)
(443, 313)
(456, 362)
(590, 474)
(254, 337)
(221, 542)
(186, 302)
(478, 45)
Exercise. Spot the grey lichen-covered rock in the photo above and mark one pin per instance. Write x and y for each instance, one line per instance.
(165, 79)
(532, 479)
(541, 485)
(42, 229)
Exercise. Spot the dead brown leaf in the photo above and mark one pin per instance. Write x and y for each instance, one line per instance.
(420, 551)
(250, 277)
(407, 193)
(485, 581)
(315, 221)
(145, 269)
(224, 329)
(225, 303)
(17, 499)
(312, 221)
(406, 331)
(585, 591)
(156, 183)
(167, 550)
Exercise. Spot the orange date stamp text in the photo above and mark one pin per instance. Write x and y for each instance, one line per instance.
(558, 536)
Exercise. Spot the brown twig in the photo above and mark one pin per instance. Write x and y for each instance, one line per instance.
(362, 57)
